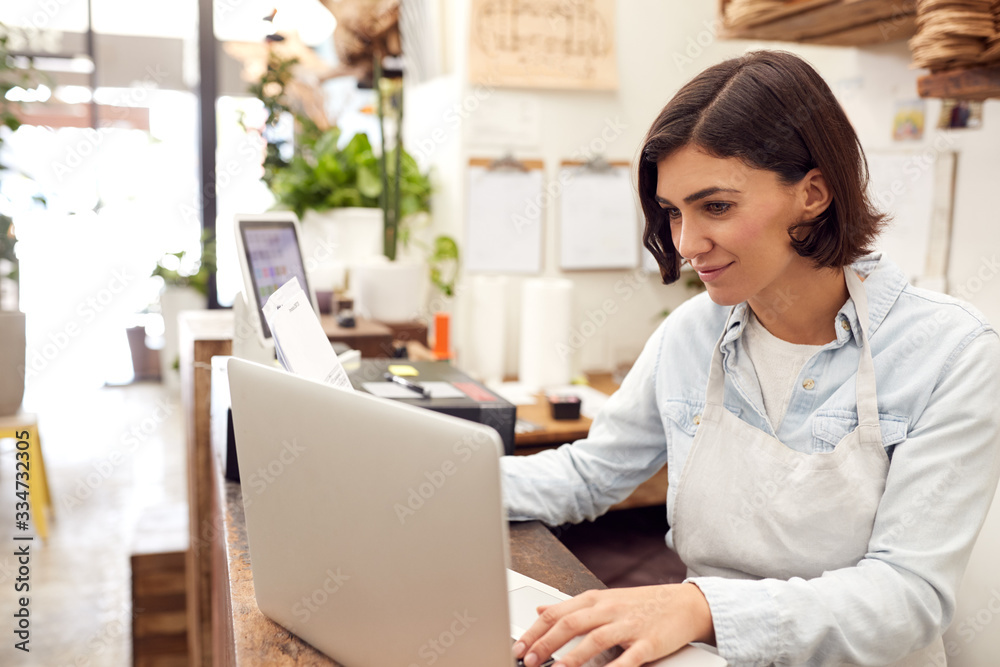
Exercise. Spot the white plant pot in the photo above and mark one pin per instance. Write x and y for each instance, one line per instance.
(389, 291)
(173, 300)
(334, 239)
(12, 351)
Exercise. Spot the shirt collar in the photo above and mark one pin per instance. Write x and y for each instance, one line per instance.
(738, 318)
(883, 282)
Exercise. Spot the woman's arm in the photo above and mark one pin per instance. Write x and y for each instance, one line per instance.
(625, 447)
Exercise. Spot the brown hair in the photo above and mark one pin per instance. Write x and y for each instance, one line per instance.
(773, 111)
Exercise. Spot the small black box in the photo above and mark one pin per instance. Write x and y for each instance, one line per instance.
(479, 405)
(564, 406)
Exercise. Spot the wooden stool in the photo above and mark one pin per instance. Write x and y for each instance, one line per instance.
(26, 424)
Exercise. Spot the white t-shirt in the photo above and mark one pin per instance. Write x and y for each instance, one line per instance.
(778, 364)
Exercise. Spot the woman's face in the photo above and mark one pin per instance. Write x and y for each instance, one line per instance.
(731, 222)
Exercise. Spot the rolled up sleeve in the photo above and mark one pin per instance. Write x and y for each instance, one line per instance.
(626, 446)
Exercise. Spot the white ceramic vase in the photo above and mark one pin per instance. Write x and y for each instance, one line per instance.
(335, 239)
(389, 291)
(173, 300)
(12, 361)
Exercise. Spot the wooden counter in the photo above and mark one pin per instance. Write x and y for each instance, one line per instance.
(203, 335)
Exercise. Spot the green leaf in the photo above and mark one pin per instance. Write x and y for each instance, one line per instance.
(343, 197)
(410, 204)
(359, 149)
(197, 280)
(444, 264)
(369, 183)
(329, 172)
(327, 142)
(7, 240)
(445, 247)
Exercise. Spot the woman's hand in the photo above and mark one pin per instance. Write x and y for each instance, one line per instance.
(649, 622)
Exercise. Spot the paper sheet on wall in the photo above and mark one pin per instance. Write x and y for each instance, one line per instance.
(599, 219)
(504, 221)
(544, 44)
(299, 340)
(505, 122)
(916, 190)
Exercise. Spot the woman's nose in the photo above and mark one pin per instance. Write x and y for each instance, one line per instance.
(691, 241)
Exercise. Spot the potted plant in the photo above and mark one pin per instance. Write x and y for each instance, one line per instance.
(331, 187)
(185, 287)
(334, 190)
(12, 322)
(393, 290)
(12, 326)
(357, 205)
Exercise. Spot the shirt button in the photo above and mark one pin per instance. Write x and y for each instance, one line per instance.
(847, 325)
(808, 384)
(696, 419)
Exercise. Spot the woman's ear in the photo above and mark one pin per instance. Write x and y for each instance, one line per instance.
(816, 195)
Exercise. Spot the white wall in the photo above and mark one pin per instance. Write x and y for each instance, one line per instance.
(661, 45)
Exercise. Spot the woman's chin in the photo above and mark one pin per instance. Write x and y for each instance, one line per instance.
(723, 296)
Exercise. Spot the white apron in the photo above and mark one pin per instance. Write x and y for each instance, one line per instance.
(748, 507)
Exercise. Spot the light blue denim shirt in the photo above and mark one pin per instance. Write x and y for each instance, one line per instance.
(937, 364)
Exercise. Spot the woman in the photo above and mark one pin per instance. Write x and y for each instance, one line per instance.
(829, 430)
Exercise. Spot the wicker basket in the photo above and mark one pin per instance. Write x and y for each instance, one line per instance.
(955, 33)
(992, 52)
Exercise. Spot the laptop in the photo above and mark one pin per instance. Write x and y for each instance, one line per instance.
(376, 529)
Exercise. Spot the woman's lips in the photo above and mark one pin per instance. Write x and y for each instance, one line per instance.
(707, 275)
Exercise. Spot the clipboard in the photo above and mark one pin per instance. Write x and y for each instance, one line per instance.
(919, 195)
(599, 220)
(503, 223)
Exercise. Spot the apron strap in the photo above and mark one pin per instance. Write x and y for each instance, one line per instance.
(716, 390)
(868, 424)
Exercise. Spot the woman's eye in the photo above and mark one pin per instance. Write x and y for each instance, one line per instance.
(672, 213)
(718, 208)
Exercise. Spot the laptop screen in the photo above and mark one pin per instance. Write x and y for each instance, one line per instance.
(274, 258)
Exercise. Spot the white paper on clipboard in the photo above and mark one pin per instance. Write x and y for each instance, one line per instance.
(918, 193)
(598, 219)
(504, 221)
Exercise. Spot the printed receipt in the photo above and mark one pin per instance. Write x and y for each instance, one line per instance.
(299, 340)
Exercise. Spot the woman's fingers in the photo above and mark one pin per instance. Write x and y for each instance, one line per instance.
(597, 641)
(651, 621)
(568, 627)
(556, 625)
(635, 655)
(547, 616)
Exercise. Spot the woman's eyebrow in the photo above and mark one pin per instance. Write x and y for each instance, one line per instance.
(701, 194)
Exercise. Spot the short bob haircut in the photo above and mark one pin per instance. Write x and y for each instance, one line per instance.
(771, 110)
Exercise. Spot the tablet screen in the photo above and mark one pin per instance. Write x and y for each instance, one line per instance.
(274, 258)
